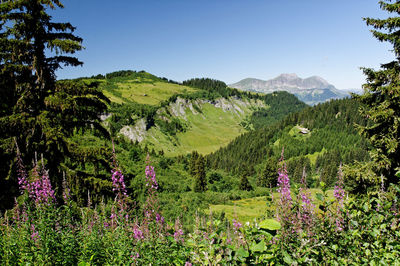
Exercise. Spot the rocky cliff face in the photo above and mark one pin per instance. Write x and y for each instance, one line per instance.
(312, 90)
(181, 107)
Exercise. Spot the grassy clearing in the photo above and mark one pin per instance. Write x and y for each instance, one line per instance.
(208, 131)
(246, 210)
(140, 91)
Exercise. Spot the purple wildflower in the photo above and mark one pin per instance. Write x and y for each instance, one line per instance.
(236, 224)
(22, 175)
(178, 234)
(306, 210)
(136, 256)
(35, 235)
(284, 213)
(159, 218)
(151, 177)
(118, 182)
(39, 189)
(284, 182)
(137, 233)
(339, 194)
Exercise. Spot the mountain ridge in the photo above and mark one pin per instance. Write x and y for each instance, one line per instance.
(311, 90)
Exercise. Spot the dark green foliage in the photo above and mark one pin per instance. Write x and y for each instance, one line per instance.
(220, 182)
(296, 165)
(39, 113)
(192, 163)
(331, 128)
(280, 104)
(128, 114)
(381, 97)
(244, 183)
(122, 75)
(200, 182)
(269, 175)
(210, 85)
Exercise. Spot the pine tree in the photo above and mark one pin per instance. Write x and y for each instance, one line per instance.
(244, 183)
(192, 164)
(200, 181)
(381, 97)
(38, 112)
(269, 174)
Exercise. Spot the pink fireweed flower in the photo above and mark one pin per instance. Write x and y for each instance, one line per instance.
(284, 212)
(151, 177)
(159, 218)
(339, 194)
(306, 211)
(39, 189)
(136, 256)
(236, 224)
(137, 233)
(22, 175)
(284, 183)
(118, 182)
(178, 235)
(34, 235)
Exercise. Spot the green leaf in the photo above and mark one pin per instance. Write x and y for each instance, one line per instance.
(270, 224)
(241, 252)
(319, 196)
(287, 258)
(260, 247)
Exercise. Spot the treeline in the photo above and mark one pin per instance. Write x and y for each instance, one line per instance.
(279, 104)
(129, 74)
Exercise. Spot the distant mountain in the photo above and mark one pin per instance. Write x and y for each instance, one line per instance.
(312, 90)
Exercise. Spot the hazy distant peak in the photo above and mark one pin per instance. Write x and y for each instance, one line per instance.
(287, 76)
(317, 80)
(311, 90)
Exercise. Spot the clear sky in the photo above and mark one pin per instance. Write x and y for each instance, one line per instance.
(227, 40)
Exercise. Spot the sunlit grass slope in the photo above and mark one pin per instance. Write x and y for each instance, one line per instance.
(144, 89)
(246, 210)
(207, 131)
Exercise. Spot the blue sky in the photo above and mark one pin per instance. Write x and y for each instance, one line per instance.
(227, 39)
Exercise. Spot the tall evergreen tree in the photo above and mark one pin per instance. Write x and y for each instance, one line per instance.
(244, 183)
(38, 112)
(200, 181)
(192, 163)
(382, 96)
(269, 174)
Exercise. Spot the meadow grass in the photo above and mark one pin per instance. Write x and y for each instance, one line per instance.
(247, 210)
(151, 93)
(208, 131)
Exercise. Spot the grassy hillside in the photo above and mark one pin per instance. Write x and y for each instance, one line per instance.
(202, 115)
(206, 131)
(140, 87)
(246, 210)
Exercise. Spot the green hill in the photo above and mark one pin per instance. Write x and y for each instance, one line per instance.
(202, 115)
(318, 138)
